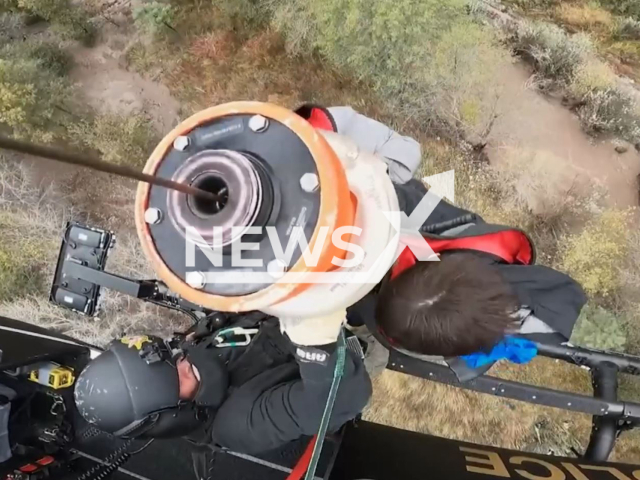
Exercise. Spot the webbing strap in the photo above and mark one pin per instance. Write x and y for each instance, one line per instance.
(328, 409)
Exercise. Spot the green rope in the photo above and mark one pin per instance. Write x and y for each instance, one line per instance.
(328, 409)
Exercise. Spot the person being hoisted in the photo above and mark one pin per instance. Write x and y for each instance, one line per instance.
(474, 305)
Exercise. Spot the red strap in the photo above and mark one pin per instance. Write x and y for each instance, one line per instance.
(406, 260)
(512, 246)
(303, 463)
(320, 119)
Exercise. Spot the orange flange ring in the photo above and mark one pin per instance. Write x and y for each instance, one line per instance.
(336, 208)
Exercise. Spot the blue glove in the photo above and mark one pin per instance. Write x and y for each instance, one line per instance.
(515, 349)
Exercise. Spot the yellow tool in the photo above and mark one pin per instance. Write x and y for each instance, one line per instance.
(52, 375)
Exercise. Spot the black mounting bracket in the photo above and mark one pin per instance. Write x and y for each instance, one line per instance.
(80, 276)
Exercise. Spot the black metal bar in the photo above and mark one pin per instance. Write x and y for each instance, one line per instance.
(604, 431)
(515, 390)
(134, 288)
(624, 363)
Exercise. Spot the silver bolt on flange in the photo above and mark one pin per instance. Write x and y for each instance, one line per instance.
(153, 216)
(181, 143)
(276, 268)
(196, 280)
(258, 123)
(309, 182)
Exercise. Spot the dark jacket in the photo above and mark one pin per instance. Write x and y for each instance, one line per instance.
(276, 395)
(552, 296)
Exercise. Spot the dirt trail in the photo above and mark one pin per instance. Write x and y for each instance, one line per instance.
(532, 121)
(109, 87)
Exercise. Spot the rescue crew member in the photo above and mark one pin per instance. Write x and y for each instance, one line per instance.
(267, 391)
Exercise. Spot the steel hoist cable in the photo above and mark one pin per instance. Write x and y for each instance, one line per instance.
(73, 158)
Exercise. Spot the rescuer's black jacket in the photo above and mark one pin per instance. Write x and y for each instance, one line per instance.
(278, 391)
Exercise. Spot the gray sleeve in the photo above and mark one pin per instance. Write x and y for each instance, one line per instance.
(401, 153)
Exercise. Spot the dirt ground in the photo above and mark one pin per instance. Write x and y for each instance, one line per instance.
(531, 121)
(108, 87)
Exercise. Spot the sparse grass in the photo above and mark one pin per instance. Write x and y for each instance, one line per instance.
(119, 139)
(428, 407)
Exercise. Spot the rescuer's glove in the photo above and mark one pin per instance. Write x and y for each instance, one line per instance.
(314, 331)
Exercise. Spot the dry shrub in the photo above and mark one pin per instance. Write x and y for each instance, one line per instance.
(587, 16)
(31, 228)
(102, 200)
(593, 75)
(555, 55)
(594, 256)
(119, 139)
(32, 222)
(628, 28)
(612, 110)
(604, 104)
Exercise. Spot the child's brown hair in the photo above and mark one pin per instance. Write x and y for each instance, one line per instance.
(456, 306)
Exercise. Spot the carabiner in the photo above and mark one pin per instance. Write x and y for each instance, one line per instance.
(221, 337)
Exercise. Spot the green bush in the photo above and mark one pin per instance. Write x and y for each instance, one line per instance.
(600, 329)
(154, 17)
(32, 99)
(67, 19)
(429, 59)
(119, 139)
